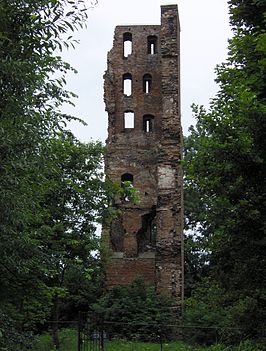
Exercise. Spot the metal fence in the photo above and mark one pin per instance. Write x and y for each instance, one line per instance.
(96, 334)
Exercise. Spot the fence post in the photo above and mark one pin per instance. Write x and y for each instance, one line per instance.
(161, 340)
(102, 339)
(79, 331)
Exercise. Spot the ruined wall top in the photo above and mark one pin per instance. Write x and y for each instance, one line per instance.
(143, 58)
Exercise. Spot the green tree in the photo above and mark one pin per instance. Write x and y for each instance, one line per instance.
(32, 33)
(196, 256)
(135, 312)
(225, 164)
(74, 200)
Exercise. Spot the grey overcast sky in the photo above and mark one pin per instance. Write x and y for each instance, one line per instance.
(204, 38)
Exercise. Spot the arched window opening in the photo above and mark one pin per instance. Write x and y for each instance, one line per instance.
(148, 123)
(147, 83)
(127, 177)
(127, 44)
(126, 183)
(129, 119)
(152, 45)
(127, 84)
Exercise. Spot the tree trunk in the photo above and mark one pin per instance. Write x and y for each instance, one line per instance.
(55, 316)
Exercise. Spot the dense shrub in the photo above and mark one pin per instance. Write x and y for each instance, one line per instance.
(136, 312)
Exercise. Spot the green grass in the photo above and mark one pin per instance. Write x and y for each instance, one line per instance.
(67, 337)
(68, 342)
(120, 345)
(147, 346)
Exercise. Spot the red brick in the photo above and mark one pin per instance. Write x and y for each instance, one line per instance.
(147, 241)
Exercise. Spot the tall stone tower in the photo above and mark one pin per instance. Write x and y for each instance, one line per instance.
(144, 146)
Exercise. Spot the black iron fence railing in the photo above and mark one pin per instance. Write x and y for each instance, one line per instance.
(96, 334)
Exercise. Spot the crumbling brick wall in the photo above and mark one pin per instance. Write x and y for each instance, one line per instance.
(142, 97)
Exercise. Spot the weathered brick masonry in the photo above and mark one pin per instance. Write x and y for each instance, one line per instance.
(142, 97)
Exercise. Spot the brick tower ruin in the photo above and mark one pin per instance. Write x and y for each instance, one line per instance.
(144, 146)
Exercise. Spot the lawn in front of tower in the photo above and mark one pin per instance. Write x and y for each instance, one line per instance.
(68, 338)
(122, 345)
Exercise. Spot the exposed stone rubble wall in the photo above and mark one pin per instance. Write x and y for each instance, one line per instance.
(146, 241)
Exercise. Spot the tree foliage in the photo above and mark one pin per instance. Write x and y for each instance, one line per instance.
(225, 170)
(136, 312)
(51, 187)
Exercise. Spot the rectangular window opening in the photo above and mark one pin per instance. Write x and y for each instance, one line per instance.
(147, 87)
(152, 49)
(147, 126)
(127, 48)
(127, 87)
(129, 120)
